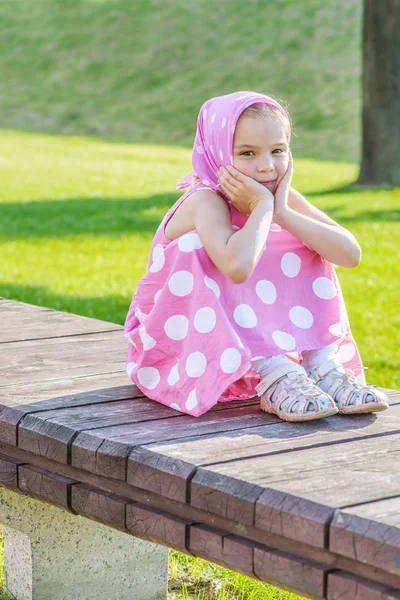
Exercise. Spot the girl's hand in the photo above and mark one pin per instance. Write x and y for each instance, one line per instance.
(282, 193)
(244, 192)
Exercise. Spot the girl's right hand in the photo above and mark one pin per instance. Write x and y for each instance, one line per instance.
(244, 192)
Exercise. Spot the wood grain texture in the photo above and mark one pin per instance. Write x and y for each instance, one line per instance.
(369, 533)
(342, 586)
(157, 526)
(296, 575)
(9, 471)
(43, 485)
(159, 474)
(101, 506)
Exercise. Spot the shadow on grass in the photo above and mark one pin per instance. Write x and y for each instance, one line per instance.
(109, 308)
(88, 216)
(115, 216)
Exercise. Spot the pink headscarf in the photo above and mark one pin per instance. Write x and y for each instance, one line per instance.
(213, 142)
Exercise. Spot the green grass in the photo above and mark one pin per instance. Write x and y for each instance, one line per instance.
(77, 219)
(140, 70)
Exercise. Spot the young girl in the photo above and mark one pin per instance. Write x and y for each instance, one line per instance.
(240, 297)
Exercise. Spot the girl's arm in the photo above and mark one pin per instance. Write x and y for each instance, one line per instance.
(320, 232)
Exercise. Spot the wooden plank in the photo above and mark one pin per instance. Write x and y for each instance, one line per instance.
(227, 550)
(293, 574)
(27, 322)
(303, 487)
(44, 485)
(369, 533)
(159, 474)
(342, 586)
(277, 436)
(92, 450)
(9, 471)
(27, 362)
(39, 392)
(10, 416)
(101, 506)
(157, 526)
(50, 433)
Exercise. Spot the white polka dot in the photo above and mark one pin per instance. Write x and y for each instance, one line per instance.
(284, 340)
(233, 129)
(204, 114)
(212, 150)
(196, 364)
(221, 155)
(189, 242)
(157, 295)
(230, 360)
(213, 117)
(173, 376)
(175, 407)
(158, 259)
(200, 150)
(290, 264)
(324, 288)
(275, 227)
(301, 317)
(129, 368)
(231, 159)
(336, 329)
(181, 283)
(213, 285)
(205, 181)
(191, 401)
(245, 316)
(205, 320)
(147, 341)
(346, 352)
(176, 327)
(148, 377)
(223, 123)
(266, 291)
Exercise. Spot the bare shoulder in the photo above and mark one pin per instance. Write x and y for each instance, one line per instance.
(200, 207)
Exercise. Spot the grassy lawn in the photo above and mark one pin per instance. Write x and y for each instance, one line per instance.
(77, 219)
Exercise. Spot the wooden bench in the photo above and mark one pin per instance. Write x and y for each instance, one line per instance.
(313, 507)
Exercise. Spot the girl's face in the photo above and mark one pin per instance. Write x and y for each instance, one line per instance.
(261, 150)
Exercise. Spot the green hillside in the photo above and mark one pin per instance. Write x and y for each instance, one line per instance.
(138, 71)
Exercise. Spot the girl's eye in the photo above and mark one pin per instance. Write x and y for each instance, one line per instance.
(276, 150)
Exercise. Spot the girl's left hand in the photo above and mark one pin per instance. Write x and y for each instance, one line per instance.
(282, 193)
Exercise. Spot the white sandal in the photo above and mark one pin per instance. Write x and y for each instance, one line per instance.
(289, 384)
(341, 385)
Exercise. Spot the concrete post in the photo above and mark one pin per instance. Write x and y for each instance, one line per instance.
(51, 554)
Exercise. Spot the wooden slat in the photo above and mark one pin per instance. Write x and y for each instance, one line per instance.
(9, 471)
(304, 487)
(44, 485)
(28, 322)
(159, 474)
(342, 586)
(101, 506)
(295, 575)
(369, 533)
(227, 550)
(277, 436)
(50, 433)
(157, 526)
(91, 450)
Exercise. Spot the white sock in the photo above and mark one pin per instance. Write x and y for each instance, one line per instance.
(315, 358)
(265, 366)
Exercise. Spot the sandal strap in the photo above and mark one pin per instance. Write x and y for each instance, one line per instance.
(318, 373)
(278, 373)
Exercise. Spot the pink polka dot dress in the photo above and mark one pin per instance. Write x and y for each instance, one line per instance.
(192, 333)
